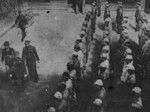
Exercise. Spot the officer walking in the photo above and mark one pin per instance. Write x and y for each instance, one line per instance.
(137, 15)
(119, 17)
(21, 21)
(7, 56)
(30, 56)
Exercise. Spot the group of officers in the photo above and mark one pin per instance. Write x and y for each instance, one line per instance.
(19, 68)
(68, 90)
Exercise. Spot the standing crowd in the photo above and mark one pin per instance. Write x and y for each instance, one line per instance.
(135, 64)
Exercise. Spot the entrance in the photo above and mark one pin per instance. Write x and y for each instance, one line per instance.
(125, 1)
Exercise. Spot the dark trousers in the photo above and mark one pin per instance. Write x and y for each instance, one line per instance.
(23, 31)
(31, 65)
(81, 8)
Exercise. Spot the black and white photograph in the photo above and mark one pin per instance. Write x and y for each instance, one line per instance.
(75, 55)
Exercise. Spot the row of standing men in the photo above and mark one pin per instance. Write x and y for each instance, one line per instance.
(66, 96)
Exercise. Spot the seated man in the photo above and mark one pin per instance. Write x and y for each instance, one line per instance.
(18, 70)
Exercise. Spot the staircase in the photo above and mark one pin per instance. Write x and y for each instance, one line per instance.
(52, 5)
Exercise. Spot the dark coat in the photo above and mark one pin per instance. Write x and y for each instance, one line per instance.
(30, 54)
(21, 20)
(7, 56)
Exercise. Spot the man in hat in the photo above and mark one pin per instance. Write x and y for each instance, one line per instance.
(128, 51)
(137, 103)
(104, 70)
(128, 74)
(108, 24)
(30, 56)
(67, 80)
(98, 3)
(106, 34)
(21, 22)
(76, 64)
(107, 11)
(93, 19)
(137, 15)
(62, 98)
(18, 70)
(7, 56)
(80, 58)
(100, 91)
(97, 105)
(119, 17)
(123, 37)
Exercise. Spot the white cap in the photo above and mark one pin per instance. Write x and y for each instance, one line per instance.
(107, 20)
(75, 53)
(106, 40)
(98, 82)
(58, 95)
(136, 90)
(106, 32)
(129, 57)
(106, 48)
(98, 102)
(148, 42)
(78, 37)
(125, 31)
(51, 109)
(125, 19)
(130, 66)
(94, 3)
(104, 55)
(82, 32)
(128, 51)
(126, 15)
(104, 64)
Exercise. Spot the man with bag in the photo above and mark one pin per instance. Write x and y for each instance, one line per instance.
(7, 56)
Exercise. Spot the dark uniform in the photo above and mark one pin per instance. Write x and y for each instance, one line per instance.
(8, 56)
(30, 56)
(18, 69)
(98, 3)
(107, 12)
(137, 16)
(21, 21)
(119, 18)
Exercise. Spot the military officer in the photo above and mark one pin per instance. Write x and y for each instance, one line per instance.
(30, 56)
(21, 21)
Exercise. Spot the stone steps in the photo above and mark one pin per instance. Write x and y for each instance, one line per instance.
(49, 6)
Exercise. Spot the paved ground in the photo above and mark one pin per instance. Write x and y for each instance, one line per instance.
(53, 35)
